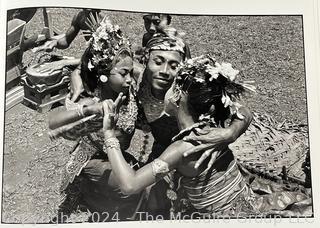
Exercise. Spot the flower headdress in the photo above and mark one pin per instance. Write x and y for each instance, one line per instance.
(107, 42)
(222, 77)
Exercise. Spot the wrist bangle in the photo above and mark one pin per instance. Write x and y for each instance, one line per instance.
(111, 143)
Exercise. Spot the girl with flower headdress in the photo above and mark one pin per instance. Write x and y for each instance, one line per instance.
(202, 96)
(106, 72)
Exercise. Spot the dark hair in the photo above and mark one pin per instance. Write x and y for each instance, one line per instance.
(169, 19)
(204, 97)
(159, 14)
(90, 77)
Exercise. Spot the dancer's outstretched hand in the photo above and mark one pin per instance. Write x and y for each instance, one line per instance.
(111, 112)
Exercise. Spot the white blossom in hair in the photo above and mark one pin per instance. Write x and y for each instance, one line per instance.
(205, 69)
(227, 71)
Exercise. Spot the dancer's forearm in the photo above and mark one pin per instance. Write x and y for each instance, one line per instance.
(239, 126)
(124, 174)
(131, 181)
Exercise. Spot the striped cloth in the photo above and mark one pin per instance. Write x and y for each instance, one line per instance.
(215, 190)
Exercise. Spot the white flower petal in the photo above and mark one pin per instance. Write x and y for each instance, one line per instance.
(227, 71)
(223, 99)
(90, 66)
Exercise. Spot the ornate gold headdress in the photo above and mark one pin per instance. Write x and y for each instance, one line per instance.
(107, 42)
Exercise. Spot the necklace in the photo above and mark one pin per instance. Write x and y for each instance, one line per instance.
(152, 106)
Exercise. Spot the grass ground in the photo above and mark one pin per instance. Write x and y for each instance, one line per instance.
(267, 49)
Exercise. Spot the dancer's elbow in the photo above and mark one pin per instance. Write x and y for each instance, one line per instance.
(129, 189)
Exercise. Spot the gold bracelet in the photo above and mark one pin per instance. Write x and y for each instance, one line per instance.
(111, 143)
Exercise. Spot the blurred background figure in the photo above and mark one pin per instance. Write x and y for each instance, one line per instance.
(154, 23)
(159, 23)
(14, 18)
(78, 23)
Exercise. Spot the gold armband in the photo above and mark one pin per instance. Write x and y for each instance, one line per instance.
(111, 143)
(160, 168)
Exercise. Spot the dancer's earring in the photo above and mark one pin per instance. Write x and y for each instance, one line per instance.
(103, 78)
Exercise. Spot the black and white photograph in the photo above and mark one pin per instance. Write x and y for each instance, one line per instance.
(115, 115)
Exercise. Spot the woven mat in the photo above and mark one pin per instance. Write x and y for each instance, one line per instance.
(278, 151)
